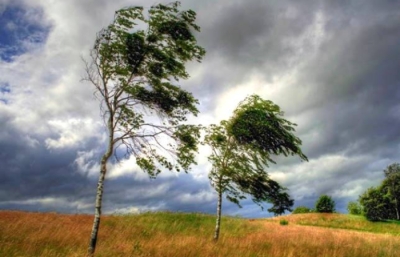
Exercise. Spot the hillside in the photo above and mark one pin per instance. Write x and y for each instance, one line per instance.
(343, 221)
(181, 234)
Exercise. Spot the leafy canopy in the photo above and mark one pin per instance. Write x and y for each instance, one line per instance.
(281, 203)
(241, 152)
(325, 203)
(136, 63)
(391, 184)
(383, 202)
(259, 124)
(376, 206)
(354, 208)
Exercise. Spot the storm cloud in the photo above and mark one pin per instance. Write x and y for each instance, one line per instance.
(332, 66)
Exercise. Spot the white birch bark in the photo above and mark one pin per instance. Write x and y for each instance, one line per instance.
(218, 223)
(100, 188)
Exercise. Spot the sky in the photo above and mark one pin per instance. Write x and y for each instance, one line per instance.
(332, 67)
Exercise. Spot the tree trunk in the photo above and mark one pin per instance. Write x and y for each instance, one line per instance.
(397, 209)
(100, 188)
(218, 223)
(97, 213)
(392, 189)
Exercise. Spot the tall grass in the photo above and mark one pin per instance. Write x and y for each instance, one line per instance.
(179, 234)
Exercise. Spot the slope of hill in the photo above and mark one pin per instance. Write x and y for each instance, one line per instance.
(190, 234)
(343, 221)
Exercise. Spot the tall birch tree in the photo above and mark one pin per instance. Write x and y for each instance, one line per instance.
(135, 65)
(241, 150)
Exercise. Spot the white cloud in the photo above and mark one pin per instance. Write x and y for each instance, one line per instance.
(333, 174)
(86, 164)
(197, 198)
(72, 132)
(53, 203)
(128, 168)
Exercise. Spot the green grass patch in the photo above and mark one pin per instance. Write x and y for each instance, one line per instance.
(284, 222)
(176, 223)
(352, 222)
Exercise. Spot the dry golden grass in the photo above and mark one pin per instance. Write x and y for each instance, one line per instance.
(177, 234)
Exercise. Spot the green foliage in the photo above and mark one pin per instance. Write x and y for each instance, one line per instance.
(284, 222)
(354, 208)
(391, 186)
(301, 209)
(258, 124)
(239, 166)
(135, 70)
(239, 156)
(325, 204)
(376, 205)
(281, 203)
(383, 202)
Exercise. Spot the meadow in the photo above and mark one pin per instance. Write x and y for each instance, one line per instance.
(190, 234)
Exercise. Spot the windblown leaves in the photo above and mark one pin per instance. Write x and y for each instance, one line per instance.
(259, 124)
(241, 151)
(137, 62)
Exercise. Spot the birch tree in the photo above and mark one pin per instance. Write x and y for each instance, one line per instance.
(241, 150)
(135, 65)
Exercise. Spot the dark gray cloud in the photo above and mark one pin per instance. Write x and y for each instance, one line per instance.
(355, 82)
(242, 38)
(30, 170)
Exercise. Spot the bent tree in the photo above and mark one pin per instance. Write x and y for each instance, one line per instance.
(135, 64)
(241, 150)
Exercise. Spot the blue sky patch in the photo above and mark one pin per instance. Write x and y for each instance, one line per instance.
(20, 30)
(4, 89)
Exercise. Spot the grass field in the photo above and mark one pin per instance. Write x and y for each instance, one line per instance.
(351, 222)
(190, 234)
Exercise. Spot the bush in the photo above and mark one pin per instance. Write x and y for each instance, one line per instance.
(325, 204)
(301, 209)
(376, 205)
(354, 208)
(284, 222)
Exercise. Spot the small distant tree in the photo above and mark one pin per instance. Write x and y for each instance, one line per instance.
(135, 70)
(354, 208)
(301, 209)
(241, 149)
(325, 204)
